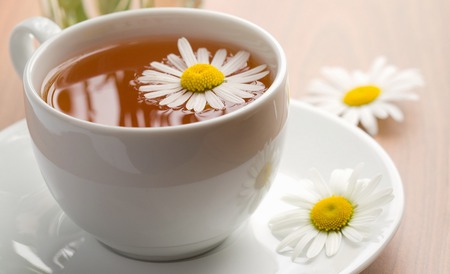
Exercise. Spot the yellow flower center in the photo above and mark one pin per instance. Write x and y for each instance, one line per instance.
(332, 213)
(362, 95)
(201, 78)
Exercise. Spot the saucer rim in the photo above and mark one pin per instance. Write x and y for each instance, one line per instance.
(354, 267)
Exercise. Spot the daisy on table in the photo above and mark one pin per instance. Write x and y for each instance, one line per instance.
(193, 81)
(360, 97)
(325, 213)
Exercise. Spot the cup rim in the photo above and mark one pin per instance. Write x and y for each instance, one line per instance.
(280, 73)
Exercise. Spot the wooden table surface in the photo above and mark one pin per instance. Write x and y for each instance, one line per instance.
(348, 33)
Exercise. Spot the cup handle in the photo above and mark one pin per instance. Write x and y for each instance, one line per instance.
(22, 44)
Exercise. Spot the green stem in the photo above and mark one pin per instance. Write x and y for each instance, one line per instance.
(109, 6)
(70, 12)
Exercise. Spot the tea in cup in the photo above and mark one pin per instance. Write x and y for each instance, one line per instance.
(154, 161)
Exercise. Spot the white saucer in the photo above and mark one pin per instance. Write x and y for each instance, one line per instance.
(36, 237)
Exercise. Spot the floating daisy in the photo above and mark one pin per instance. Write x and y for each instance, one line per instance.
(346, 207)
(362, 97)
(193, 81)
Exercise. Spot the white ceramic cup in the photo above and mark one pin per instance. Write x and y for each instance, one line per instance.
(154, 193)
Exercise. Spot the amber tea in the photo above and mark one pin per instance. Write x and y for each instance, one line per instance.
(149, 83)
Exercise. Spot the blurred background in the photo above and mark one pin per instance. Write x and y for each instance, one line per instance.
(319, 33)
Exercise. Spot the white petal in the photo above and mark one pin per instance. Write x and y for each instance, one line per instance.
(359, 187)
(213, 100)
(294, 237)
(339, 181)
(308, 236)
(149, 88)
(152, 72)
(368, 121)
(405, 80)
(300, 201)
(352, 116)
(156, 77)
(379, 111)
(352, 234)
(235, 63)
(339, 78)
(200, 103)
(236, 91)
(202, 56)
(377, 67)
(191, 102)
(378, 199)
(250, 72)
(367, 191)
(366, 219)
(288, 214)
(166, 69)
(298, 215)
(333, 243)
(374, 212)
(197, 102)
(319, 87)
(156, 94)
(364, 230)
(172, 97)
(353, 180)
(399, 96)
(292, 222)
(227, 96)
(321, 186)
(177, 62)
(393, 111)
(309, 193)
(186, 52)
(248, 87)
(359, 78)
(181, 100)
(219, 58)
(385, 75)
(246, 79)
(317, 245)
